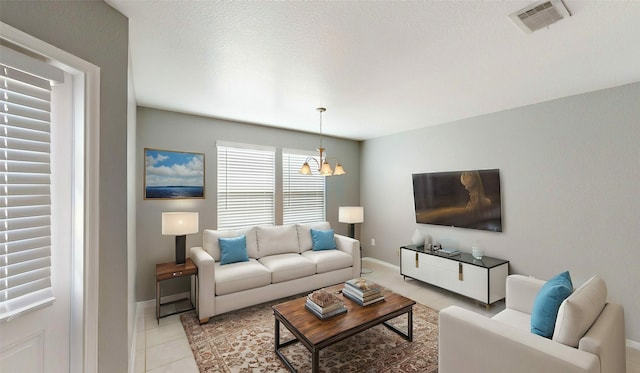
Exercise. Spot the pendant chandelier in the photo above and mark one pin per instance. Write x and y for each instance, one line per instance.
(323, 161)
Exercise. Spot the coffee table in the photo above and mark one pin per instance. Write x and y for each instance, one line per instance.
(316, 334)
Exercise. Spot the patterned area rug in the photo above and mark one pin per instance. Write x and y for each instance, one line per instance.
(243, 341)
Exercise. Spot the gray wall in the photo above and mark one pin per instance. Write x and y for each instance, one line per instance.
(182, 132)
(97, 33)
(570, 175)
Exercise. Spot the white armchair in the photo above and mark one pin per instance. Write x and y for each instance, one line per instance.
(470, 342)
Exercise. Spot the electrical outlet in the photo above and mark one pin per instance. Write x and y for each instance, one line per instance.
(373, 242)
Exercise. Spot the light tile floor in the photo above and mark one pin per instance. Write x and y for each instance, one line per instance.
(164, 348)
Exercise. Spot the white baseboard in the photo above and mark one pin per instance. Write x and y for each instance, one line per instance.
(132, 353)
(174, 297)
(633, 344)
(166, 299)
(380, 262)
(147, 303)
(134, 339)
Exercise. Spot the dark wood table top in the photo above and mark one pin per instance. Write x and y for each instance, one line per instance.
(165, 271)
(357, 318)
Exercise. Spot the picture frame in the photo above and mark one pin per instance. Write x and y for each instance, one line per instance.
(172, 174)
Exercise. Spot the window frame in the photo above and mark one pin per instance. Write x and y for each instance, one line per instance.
(306, 185)
(253, 168)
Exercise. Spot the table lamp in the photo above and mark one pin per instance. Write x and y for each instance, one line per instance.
(179, 224)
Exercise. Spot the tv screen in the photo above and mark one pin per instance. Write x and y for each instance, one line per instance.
(465, 199)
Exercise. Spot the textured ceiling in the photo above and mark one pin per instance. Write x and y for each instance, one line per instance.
(379, 67)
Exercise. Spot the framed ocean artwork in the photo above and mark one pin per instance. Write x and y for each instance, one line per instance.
(173, 174)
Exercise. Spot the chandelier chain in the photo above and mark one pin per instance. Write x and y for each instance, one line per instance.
(321, 110)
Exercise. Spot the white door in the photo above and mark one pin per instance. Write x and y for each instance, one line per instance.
(39, 341)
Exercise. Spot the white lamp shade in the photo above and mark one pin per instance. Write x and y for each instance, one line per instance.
(179, 223)
(351, 214)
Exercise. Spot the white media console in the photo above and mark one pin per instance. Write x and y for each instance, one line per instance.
(481, 279)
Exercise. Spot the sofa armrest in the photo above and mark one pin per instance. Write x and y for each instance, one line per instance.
(352, 247)
(206, 288)
(606, 339)
(522, 292)
(470, 342)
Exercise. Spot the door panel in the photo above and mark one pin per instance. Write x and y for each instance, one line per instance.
(41, 338)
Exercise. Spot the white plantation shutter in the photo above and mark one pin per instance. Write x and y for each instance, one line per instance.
(25, 198)
(303, 195)
(246, 185)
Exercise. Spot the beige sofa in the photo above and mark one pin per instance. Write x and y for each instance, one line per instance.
(588, 335)
(281, 263)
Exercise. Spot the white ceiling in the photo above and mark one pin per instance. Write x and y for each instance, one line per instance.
(379, 67)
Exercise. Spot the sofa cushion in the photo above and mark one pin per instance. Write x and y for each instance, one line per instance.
(579, 311)
(277, 239)
(211, 244)
(547, 302)
(304, 233)
(329, 260)
(323, 239)
(285, 267)
(514, 318)
(235, 277)
(233, 249)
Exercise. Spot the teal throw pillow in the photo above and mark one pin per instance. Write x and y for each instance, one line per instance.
(322, 239)
(233, 250)
(547, 303)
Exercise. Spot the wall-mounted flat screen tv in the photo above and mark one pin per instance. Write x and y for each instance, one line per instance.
(465, 199)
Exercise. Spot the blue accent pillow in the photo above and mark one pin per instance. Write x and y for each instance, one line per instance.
(233, 250)
(322, 239)
(547, 303)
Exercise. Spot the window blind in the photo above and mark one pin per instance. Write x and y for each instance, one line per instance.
(303, 195)
(246, 185)
(25, 198)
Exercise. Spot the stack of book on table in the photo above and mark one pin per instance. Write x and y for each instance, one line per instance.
(448, 252)
(362, 291)
(324, 304)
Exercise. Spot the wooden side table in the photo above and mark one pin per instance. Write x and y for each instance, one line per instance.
(167, 271)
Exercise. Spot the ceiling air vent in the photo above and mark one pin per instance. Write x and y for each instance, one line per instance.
(539, 15)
